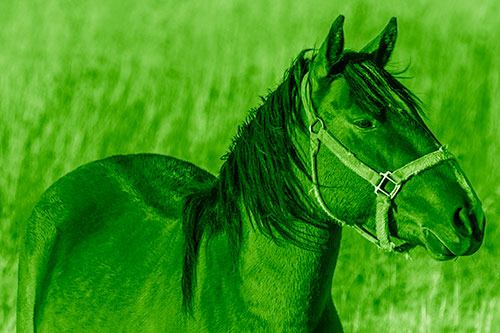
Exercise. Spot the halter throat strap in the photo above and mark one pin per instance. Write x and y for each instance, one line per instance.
(386, 184)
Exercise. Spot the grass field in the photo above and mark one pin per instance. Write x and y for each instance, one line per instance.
(83, 80)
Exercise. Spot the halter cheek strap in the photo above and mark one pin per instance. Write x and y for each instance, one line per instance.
(386, 184)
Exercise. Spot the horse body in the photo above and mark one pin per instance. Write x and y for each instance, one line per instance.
(110, 231)
(106, 240)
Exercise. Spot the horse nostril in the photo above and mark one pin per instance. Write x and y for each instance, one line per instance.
(481, 222)
(462, 221)
(482, 219)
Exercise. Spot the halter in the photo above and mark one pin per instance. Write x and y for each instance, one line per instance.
(386, 184)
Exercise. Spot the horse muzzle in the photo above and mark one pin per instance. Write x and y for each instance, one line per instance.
(463, 238)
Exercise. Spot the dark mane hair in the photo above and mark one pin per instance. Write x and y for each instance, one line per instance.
(259, 176)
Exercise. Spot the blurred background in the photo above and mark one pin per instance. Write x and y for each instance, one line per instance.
(83, 80)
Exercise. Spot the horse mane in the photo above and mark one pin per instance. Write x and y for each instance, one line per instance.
(259, 175)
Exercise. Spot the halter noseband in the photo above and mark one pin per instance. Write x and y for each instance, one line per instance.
(386, 184)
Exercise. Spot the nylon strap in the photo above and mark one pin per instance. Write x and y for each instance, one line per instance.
(319, 135)
(348, 158)
(421, 164)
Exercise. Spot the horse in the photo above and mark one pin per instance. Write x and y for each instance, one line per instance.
(151, 243)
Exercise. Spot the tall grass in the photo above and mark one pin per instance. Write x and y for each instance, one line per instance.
(83, 80)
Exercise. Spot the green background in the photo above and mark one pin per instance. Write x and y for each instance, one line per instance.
(83, 80)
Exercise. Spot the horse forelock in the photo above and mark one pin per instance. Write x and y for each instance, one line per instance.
(376, 89)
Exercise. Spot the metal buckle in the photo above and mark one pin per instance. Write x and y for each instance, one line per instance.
(386, 178)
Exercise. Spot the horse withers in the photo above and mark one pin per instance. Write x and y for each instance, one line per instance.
(151, 243)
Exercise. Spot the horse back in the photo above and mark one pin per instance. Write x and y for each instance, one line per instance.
(104, 246)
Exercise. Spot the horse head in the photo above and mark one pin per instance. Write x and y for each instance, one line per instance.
(375, 163)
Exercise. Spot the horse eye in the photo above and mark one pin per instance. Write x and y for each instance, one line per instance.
(364, 123)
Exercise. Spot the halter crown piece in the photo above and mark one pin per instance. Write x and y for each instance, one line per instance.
(386, 184)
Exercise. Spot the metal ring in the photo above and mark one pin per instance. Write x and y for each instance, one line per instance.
(316, 121)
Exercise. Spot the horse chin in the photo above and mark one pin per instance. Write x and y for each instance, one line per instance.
(436, 249)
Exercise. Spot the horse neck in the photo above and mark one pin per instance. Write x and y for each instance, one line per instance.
(275, 276)
(281, 275)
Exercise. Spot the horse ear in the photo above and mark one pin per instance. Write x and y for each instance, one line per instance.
(381, 46)
(330, 51)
